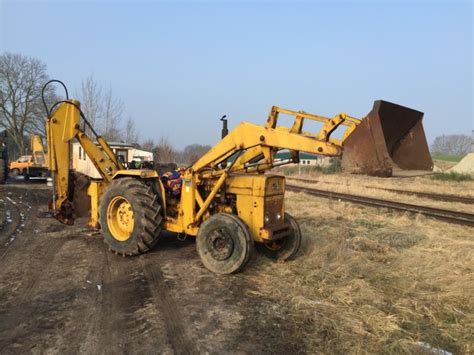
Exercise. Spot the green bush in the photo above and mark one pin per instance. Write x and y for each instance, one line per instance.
(452, 176)
(334, 166)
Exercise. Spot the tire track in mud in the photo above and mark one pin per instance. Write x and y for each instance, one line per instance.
(161, 302)
(22, 270)
(122, 318)
(13, 325)
(16, 214)
(178, 334)
(102, 311)
(49, 250)
(134, 311)
(41, 311)
(21, 217)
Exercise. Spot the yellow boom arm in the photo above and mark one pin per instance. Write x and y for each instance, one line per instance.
(62, 127)
(259, 143)
(250, 148)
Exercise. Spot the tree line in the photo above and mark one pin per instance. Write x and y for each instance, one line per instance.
(22, 112)
(452, 144)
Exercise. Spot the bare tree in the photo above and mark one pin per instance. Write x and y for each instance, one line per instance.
(131, 135)
(193, 152)
(21, 109)
(113, 110)
(452, 144)
(148, 145)
(102, 109)
(164, 151)
(92, 102)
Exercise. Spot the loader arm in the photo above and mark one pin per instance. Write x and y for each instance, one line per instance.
(63, 126)
(259, 144)
(251, 148)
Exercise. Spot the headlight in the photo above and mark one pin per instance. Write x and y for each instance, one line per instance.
(278, 216)
(267, 218)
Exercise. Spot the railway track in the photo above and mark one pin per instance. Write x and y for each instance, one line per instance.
(429, 195)
(462, 218)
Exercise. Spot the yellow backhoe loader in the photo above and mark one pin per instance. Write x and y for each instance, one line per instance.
(33, 165)
(225, 198)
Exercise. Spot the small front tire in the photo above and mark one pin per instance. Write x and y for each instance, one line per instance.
(15, 172)
(224, 243)
(286, 248)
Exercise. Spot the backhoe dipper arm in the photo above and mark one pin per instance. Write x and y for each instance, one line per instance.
(62, 127)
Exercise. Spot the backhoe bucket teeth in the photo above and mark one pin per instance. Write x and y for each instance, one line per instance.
(389, 141)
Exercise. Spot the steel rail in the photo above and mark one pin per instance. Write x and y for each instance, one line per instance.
(462, 218)
(430, 195)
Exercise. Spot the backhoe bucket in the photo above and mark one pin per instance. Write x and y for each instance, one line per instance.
(390, 141)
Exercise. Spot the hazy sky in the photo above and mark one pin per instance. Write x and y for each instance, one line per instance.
(180, 65)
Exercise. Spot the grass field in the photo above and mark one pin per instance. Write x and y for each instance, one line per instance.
(451, 176)
(376, 281)
(361, 184)
(452, 158)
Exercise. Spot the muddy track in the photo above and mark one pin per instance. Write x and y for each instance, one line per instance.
(62, 291)
(178, 334)
(16, 212)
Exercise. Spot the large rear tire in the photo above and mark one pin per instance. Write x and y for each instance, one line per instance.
(224, 243)
(3, 171)
(285, 248)
(130, 217)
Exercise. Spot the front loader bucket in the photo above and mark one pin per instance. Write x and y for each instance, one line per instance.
(389, 141)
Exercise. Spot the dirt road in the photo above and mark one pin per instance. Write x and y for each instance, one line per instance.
(62, 291)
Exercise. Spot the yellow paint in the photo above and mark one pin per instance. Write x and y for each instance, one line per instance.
(144, 174)
(212, 184)
(62, 127)
(95, 191)
(120, 218)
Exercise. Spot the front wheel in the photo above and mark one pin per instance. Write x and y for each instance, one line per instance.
(15, 172)
(285, 248)
(224, 243)
(130, 217)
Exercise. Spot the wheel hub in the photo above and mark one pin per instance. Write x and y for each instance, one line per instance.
(120, 218)
(220, 244)
(124, 214)
(275, 245)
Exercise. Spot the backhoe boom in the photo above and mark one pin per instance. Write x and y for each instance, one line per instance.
(62, 127)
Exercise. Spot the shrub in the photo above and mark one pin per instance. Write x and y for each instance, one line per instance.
(452, 176)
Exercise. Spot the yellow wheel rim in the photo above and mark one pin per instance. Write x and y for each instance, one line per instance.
(120, 218)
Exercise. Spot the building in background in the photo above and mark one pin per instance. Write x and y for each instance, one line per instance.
(306, 159)
(125, 152)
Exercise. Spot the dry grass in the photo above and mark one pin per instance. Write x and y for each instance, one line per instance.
(444, 164)
(375, 281)
(354, 184)
(421, 183)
